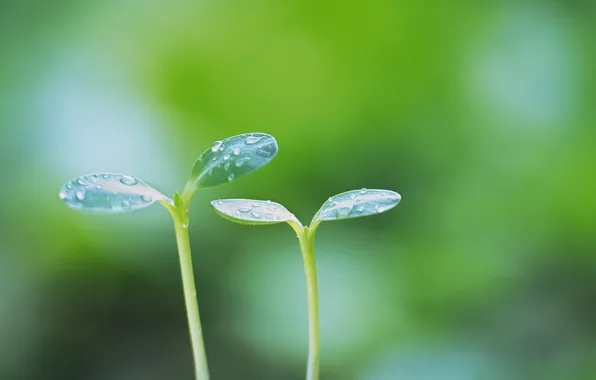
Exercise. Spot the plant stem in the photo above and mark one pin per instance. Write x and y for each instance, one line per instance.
(308, 255)
(190, 294)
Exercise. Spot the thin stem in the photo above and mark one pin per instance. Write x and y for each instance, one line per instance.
(308, 255)
(190, 294)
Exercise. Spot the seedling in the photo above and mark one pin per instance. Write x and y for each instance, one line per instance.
(115, 193)
(348, 205)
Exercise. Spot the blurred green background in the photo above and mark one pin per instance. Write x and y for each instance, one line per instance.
(481, 114)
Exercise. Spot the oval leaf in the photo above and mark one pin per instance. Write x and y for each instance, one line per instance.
(234, 157)
(109, 193)
(356, 204)
(248, 211)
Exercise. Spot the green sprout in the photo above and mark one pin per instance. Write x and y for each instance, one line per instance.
(348, 205)
(115, 193)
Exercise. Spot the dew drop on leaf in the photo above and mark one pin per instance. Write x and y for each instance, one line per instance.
(216, 145)
(109, 193)
(231, 158)
(246, 211)
(357, 203)
(128, 180)
(241, 161)
(250, 140)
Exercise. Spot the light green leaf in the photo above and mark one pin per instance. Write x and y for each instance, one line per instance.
(109, 193)
(231, 158)
(248, 211)
(356, 204)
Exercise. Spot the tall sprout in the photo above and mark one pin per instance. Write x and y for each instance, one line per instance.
(223, 162)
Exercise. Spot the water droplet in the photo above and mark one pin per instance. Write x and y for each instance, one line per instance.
(128, 180)
(250, 140)
(352, 196)
(63, 195)
(222, 147)
(237, 213)
(236, 151)
(268, 202)
(255, 214)
(359, 209)
(244, 209)
(216, 145)
(185, 224)
(81, 181)
(227, 166)
(214, 159)
(363, 191)
(227, 157)
(256, 205)
(343, 211)
(264, 153)
(231, 177)
(111, 194)
(241, 161)
(220, 202)
(69, 186)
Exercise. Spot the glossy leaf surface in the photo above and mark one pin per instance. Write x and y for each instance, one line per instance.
(248, 211)
(231, 158)
(109, 193)
(357, 204)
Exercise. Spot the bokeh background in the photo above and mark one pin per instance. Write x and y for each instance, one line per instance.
(481, 114)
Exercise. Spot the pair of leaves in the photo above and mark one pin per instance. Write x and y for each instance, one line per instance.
(225, 161)
(348, 205)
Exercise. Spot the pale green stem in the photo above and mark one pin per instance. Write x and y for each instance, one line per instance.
(307, 240)
(190, 294)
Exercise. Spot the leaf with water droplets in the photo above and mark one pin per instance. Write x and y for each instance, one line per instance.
(109, 193)
(248, 211)
(231, 158)
(356, 204)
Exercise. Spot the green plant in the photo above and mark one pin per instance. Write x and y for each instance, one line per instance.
(351, 204)
(114, 193)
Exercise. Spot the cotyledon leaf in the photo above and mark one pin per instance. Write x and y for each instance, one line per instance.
(248, 211)
(109, 193)
(231, 158)
(356, 204)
